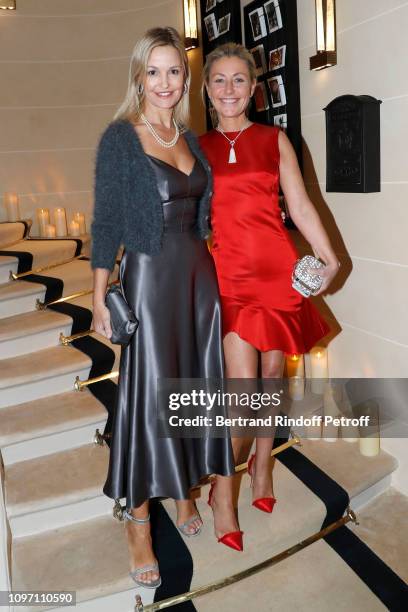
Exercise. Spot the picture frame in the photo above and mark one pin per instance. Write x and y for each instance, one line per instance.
(211, 26)
(224, 24)
(273, 15)
(258, 24)
(210, 4)
(261, 97)
(277, 58)
(277, 91)
(258, 54)
(281, 121)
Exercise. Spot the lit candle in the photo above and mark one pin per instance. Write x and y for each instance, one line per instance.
(296, 387)
(43, 215)
(369, 441)
(319, 369)
(80, 219)
(295, 366)
(50, 231)
(60, 221)
(330, 431)
(74, 228)
(11, 203)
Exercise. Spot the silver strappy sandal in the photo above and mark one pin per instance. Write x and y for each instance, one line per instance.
(154, 567)
(183, 528)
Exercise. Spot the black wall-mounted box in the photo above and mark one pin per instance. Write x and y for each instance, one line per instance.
(353, 144)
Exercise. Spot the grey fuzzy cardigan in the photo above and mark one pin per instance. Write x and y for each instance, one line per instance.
(128, 209)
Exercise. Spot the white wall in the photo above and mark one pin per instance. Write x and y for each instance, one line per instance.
(63, 73)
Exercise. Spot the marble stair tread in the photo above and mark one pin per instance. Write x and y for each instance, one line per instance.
(343, 462)
(55, 480)
(383, 526)
(10, 233)
(41, 365)
(28, 323)
(48, 415)
(89, 557)
(45, 252)
(16, 289)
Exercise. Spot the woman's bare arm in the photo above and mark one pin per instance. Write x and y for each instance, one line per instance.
(101, 316)
(303, 212)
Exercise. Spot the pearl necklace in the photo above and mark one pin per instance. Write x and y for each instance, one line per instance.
(232, 156)
(164, 143)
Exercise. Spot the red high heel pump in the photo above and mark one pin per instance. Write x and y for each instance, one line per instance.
(233, 539)
(265, 504)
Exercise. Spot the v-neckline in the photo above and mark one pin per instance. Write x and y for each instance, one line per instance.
(174, 167)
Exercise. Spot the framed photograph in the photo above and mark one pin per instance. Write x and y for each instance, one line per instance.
(259, 58)
(273, 15)
(281, 121)
(210, 5)
(261, 98)
(258, 25)
(211, 26)
(224, 24)
(277, 58)
(277, 89)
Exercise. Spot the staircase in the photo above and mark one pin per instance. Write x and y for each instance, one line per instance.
(60, 531)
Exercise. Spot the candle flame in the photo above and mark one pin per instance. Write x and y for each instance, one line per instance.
(295, 357)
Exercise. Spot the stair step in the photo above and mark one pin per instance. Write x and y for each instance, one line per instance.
(32, 331)
(90, 558)
(28, 429)
(7, 264)
(10, 233)
(46, 252)
(40, 374)
(55, 480)
(20, 296)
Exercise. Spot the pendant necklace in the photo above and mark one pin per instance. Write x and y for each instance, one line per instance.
(164, 143)
(232, 156)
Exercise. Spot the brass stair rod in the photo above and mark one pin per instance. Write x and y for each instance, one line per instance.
(42, 305)
(14, 276)
(223, 582)
(65, 340)
(80, 384)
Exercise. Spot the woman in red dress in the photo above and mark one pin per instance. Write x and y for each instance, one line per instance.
(263, 316)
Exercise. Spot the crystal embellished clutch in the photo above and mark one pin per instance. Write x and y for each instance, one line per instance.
(307, 284)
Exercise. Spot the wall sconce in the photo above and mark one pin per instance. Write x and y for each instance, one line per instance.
(190, 24)
(8, 5)
(325, 35)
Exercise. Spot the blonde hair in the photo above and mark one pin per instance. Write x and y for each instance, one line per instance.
(229, 49)
(132, 106)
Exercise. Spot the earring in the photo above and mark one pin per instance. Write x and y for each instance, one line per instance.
(185, 89)
(140, 89)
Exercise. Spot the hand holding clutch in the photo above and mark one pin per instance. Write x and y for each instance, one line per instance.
(123, 320)
(307, 284)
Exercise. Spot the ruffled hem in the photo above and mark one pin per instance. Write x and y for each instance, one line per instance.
(266, 330)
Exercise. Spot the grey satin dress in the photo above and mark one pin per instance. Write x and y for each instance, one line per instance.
(175, 297)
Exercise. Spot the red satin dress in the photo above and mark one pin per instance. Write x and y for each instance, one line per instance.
(253, 252)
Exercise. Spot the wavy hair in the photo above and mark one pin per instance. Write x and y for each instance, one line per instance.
(133, 104)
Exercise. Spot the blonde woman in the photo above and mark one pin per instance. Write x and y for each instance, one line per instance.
(263, 316)
(152, 192)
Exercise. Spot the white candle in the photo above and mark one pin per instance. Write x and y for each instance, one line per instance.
(349, 433)
(60, 221)
(314, 431)
(370, 446)
(43, 215)
(11, 203)
(295, 366)
(74, 228)
(296, 387)
(319, 369)
(50, 231)
(80, 219)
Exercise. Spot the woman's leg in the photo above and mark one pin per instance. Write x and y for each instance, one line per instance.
(241, 360)
(140, 543)
(272, 363)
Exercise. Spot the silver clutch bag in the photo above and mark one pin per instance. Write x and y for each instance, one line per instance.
(122, 318)
(307, 284)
